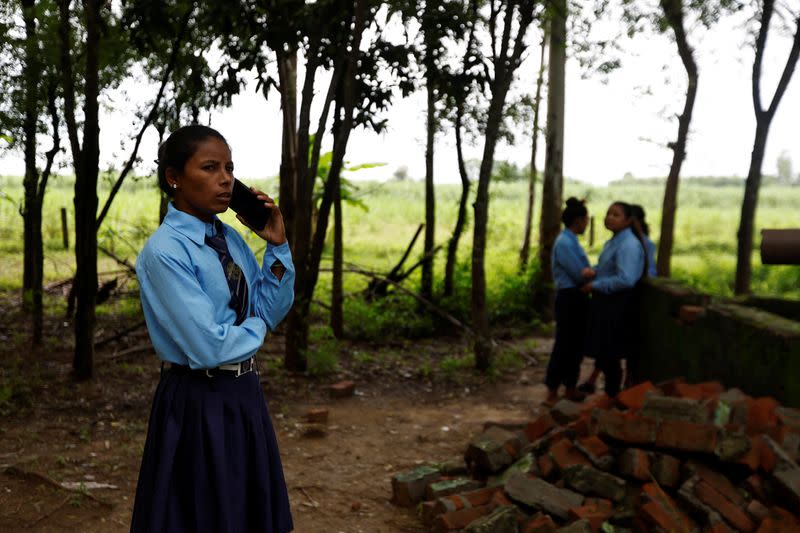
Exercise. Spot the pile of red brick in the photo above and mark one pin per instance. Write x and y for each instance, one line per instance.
(673, 457)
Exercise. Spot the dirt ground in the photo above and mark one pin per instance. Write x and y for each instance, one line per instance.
(406, 412)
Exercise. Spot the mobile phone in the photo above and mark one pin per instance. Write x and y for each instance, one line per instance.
(245, 203)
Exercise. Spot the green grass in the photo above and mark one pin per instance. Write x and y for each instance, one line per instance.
(704, 255)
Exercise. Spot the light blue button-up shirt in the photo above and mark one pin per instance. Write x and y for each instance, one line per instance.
(621, 263)
(568, 261)
(185, 294)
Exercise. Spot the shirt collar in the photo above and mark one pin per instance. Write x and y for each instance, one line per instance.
(188, 225)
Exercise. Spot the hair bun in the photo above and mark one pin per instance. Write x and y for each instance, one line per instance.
(573, 202)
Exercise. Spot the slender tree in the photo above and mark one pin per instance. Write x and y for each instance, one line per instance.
(533, 176)
(508, 23)
(553, 180)
(764, 118)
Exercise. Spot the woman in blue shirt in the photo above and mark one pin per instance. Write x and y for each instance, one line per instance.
(569, 264)
(644, 230)
(621, 265)
(211, 459)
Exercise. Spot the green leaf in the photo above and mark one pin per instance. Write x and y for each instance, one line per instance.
(7, 138)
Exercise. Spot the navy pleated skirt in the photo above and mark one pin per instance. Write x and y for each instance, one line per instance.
(612, 324)
(211, 460)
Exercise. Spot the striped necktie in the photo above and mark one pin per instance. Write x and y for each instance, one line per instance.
(237, 283)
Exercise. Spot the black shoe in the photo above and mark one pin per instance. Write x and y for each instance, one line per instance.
(587, 387)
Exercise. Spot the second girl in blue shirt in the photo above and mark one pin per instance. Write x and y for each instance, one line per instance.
(622, 263)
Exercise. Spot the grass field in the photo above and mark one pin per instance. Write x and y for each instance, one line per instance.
(705, 239)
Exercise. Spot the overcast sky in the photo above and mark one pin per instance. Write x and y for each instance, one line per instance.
(614, 125)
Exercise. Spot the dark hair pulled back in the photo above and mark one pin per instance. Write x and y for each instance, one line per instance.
(575, 209)
(630, 212)
(638, 214)
(179, 147)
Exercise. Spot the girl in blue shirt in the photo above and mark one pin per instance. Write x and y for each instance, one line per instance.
(569, 265)
(211, 459)
(644, 230)
(622, 263)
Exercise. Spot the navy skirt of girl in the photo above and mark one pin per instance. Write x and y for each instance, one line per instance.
(211, 461)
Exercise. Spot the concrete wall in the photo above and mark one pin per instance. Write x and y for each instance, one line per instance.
(687, 334)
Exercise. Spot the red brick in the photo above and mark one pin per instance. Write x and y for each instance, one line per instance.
(317, 415)
(755, 486)
(580, 427)
(687, 436)
(343, 389)
(546, 466)
(699, 391)
(539, 427)
(461, 518)
(626, 427)
(499, 499)
(666, 469)
(722, 505)
(595, 514)
(540, 523)
(668, 387)
(634, 463)
(779, 521)
(688, 314)
(767, 457)
(719, 482)
(633, 398)
(565, 454)
(719, 527)
(752, 457)
(600, 401)
(761, 415)
(669, 519)
(757, 510)
(594, 447)
(475, 498)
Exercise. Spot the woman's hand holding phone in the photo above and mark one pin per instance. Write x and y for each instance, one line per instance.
(275, 231)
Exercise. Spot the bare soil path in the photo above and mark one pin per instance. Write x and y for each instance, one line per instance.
(406, 412)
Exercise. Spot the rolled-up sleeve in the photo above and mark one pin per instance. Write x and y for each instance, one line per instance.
(629, 268)
(273, 297)
(179, 304)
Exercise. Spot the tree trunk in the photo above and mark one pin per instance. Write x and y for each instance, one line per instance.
(748, 213)
(287, 74)
(86, 203)
(526, 241)
(505, 64)
(764, 118)
(452, 246)
(337, 297)
(553, 181)
(430, 199)
(673, 11)
(31, 210)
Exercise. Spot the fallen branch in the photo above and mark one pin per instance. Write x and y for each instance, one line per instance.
(119, 335)
(121, 261)
(427, 303)
(18, 472)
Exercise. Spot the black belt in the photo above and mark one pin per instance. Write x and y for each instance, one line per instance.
(233, 369)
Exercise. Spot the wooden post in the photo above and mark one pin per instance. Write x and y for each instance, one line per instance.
(591, 232)
(64, 232)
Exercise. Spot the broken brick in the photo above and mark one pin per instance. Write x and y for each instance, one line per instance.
(542, 495)
(634, 463)
(446, 487)
(460, 519)
(317, 415)
(626, 427)
(465, 500)
(408, 488)
(762, 415)
(669, 408)
(491, 451)
(546, 466)
(500, 520)
(343, 389)
(540, 523)
(688, 314)
(687, 436)
(565, 454)
(699, 391)
(666, 470)
(539, 427)
(595, 514)
(565, 411)
(588, 480)
(757, 510)
(596, 450)
(730, 512)
(779, 521)
(661, 510)
(633, 397)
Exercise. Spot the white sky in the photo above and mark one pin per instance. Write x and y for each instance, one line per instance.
(611, 128)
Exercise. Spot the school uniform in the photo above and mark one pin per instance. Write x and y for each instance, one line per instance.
(620, 266)
(571, 308)
(211, 459)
